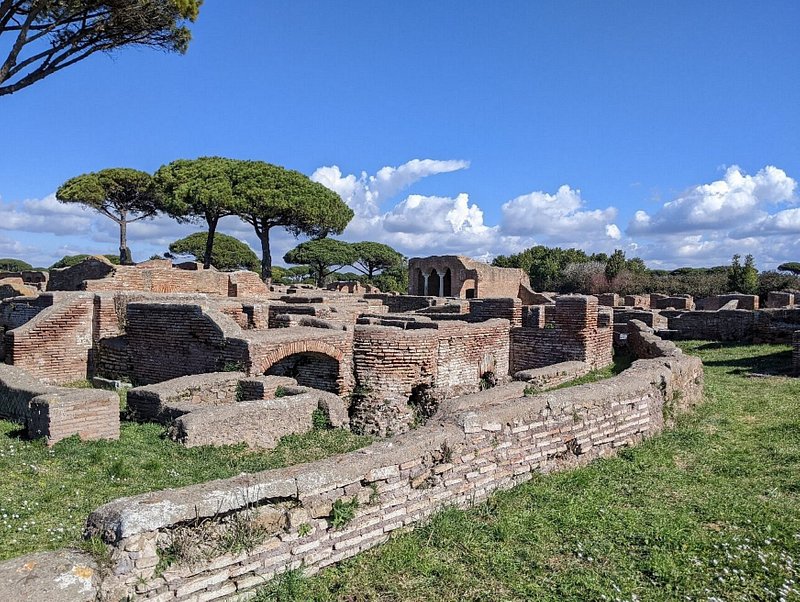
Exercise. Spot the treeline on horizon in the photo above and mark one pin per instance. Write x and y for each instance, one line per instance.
(574, 271)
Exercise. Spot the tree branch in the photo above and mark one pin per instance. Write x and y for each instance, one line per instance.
(19, 43)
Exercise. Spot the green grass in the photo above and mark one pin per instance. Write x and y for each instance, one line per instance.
(620, 363)
(46, 494)
(707, 511)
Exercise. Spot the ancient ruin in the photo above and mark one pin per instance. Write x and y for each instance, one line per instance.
(455, 374)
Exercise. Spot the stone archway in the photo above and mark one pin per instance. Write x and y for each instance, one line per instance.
(312, 363)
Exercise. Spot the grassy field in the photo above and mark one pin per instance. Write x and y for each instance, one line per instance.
(707, 511)
(46, 494)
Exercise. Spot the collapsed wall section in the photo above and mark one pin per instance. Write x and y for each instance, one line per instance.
(57, 412)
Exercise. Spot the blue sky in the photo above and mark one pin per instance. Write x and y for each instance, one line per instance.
(669, 130)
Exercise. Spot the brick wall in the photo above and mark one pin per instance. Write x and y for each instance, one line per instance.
(507, 308)
(776, 325)
(55, 345)
(575, 330)
(458, 460)
(466, 353)
(777, 299)
(57, 412)
(723, 325)
(314, 370)
(675, 302)
(796, 351)
(168, 340)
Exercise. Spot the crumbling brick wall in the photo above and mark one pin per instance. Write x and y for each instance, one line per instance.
(579, 331)
(457, 460)
(167, 340)
(465, 356)
(57, 412)
(55, 345)
(509, 308)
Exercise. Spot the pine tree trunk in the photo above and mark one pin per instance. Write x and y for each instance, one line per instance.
(125, 257)
(212, 228)
(266, 258)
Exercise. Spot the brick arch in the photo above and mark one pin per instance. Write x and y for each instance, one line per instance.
(293, 348)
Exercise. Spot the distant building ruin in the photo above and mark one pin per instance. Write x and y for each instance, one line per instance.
(464, 278)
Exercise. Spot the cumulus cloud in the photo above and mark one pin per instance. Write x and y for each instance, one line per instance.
(709, 223)
(44, 215)
(705, 225)
(558, 216)
(364, 193)
(736, 199)
(425, 224)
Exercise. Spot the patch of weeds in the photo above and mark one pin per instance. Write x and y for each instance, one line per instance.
(237, 366)
(286, 587)
(343, 512)
(123, 399)
(84, 383)
(303, 529)
(181, 547)
(530, 390)
(240, 533)
(488, 381)
(447, 453)
(320, 420)
(374, 496)
(280, 391)
(239, 392)
(118, 470)
(98, 549)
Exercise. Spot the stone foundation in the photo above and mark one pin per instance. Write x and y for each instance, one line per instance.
(57, 412)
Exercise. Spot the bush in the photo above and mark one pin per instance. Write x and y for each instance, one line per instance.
(70, 260)
(14, 265)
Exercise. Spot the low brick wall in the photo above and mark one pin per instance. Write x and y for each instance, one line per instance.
(472, 449)
(259, 423)
(500, 307)
(554, 375)
(722, 325)
(796, 352)
(576, 328)
(777, 299)
(478, 444)
(161, 402)
(55, 344)
(57, 412)
(759, 326)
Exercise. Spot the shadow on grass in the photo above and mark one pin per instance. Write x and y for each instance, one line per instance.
(20, 433)
(773, 364)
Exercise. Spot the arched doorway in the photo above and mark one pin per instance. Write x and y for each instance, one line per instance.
(433, 284)
(448, 284)
(310, 369)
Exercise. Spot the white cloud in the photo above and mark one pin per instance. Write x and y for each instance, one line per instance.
(709, 223)
(364, 193)
(44, 215)
(559, 216)
(736, 199)
(705, 225)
